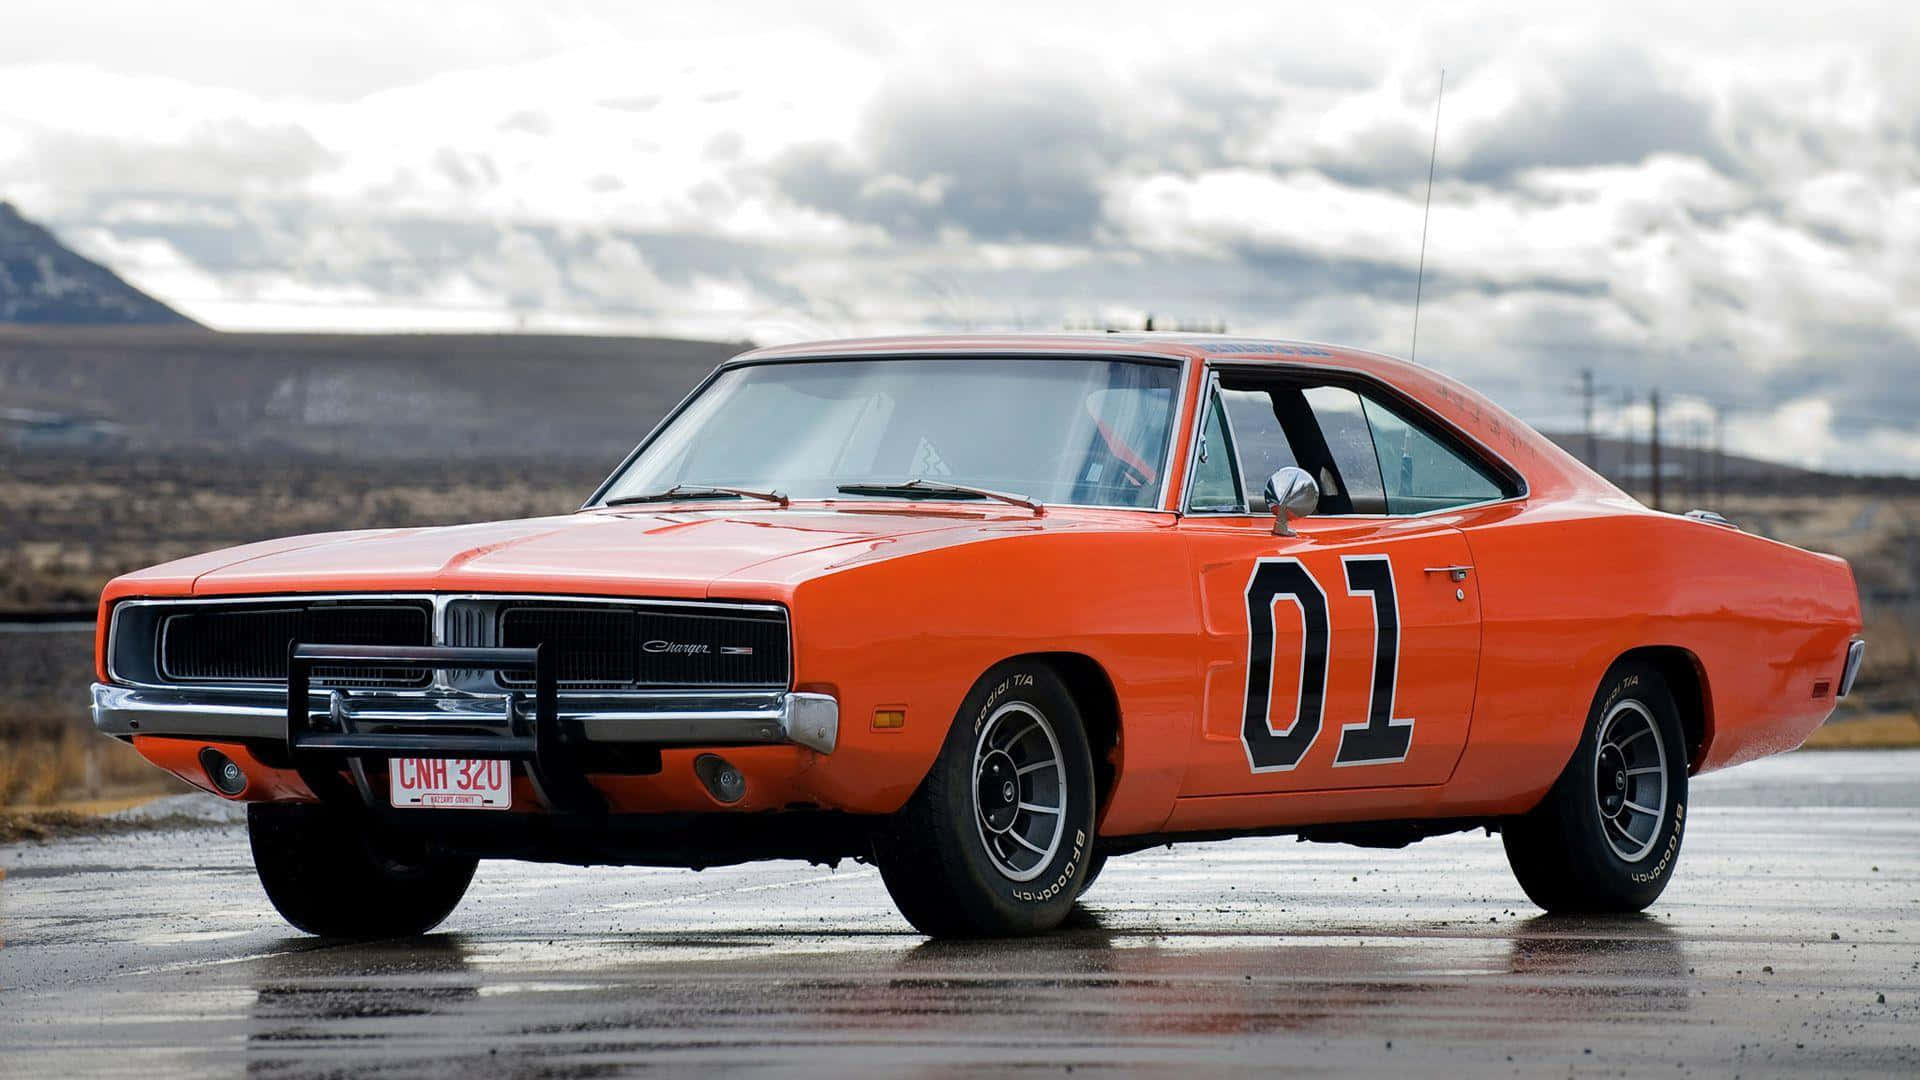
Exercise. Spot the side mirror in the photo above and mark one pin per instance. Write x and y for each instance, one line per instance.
(1291, 493)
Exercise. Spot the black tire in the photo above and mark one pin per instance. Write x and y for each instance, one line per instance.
(1096, 862)
(935, 856)
(323, 877)
(1606, 837)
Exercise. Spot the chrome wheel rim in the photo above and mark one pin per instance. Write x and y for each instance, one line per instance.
(1630, 780)
(1019, 790)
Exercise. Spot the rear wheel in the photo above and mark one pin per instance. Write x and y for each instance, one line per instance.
(324, 878)
(1607, 835)
(997, 839)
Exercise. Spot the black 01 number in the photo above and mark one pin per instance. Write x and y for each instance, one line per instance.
(1379, 739)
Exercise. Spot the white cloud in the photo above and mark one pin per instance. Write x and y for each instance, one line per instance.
(1709, 198)
(1807, 433)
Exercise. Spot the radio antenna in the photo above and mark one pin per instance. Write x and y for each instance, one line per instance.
(1420, 278)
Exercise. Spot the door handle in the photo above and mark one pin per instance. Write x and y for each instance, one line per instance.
(1455, 573)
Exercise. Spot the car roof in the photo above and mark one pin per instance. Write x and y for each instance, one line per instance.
(1171, 345)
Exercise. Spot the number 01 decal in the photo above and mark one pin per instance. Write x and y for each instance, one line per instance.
(1379, 739)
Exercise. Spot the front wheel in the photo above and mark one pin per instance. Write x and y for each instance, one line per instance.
(323, 876)
(1096, 862)
(996, 841)
(1606, 836)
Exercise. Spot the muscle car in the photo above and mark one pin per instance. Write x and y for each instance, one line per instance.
(988, 611)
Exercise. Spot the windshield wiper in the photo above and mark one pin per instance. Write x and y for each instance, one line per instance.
(940, 489)
(700, 491)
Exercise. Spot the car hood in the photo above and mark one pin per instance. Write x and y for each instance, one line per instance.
(672, 552)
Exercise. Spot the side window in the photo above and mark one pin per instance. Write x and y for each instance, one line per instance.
(1418, 472)
(1213, 481)
(1342, 418)
(1259, 442)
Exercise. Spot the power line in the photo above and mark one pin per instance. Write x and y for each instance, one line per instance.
(1433, 154)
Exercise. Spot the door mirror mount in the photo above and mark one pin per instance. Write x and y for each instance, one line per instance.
(1291, 493)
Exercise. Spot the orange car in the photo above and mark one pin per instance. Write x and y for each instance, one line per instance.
(987, 611)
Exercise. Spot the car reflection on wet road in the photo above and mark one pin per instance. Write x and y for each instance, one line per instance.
(1789, 941)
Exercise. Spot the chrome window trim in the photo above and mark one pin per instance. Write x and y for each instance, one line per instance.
(698, 506)
(436, 624)
(1367, 378)
(1209, 392)
(1181, 361)
(1376, 517)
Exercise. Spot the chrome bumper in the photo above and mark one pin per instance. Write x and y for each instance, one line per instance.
(1856, 652)
(809, 720)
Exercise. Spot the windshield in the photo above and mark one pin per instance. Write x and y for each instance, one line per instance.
(1084, 432)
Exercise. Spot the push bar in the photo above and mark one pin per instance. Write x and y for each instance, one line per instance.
(550, 762)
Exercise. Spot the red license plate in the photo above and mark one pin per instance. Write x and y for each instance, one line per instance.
(450, 783)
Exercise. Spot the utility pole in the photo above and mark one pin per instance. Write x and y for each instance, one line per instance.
(1697, 464)
(1688, 447)
(1719, 455)
(1586, 403)
(1626, 442)
(1653, 445)
(1700, 464)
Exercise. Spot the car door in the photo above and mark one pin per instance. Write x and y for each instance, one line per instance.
(1346, 655)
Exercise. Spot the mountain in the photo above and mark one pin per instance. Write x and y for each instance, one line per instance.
(44, 281)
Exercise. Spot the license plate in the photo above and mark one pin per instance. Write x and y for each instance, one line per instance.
(450, 783)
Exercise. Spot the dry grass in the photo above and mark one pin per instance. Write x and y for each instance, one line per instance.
(1880, 731)
(76, 764)
(13, 772)
(61, 768)
(67, 524)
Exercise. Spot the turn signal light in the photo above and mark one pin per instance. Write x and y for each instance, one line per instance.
(889, 719)
(723, 781)
(223, 773)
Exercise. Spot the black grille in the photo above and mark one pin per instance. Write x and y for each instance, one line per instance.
(249, 644)
(597, 647)
(611, 648)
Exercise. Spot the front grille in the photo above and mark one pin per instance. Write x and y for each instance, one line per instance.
(249, 643)
(590, 647)
(596, 645)
(467, 624)
(617, 647)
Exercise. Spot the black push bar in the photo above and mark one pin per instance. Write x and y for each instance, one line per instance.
(544, 746)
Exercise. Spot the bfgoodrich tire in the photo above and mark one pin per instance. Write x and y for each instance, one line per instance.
(997, 839)
(322, 876)
(1607, 835)
(1096, 862)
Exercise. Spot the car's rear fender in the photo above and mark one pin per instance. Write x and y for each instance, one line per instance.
(1569, 589)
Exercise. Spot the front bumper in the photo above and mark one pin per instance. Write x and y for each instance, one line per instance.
(664, 719)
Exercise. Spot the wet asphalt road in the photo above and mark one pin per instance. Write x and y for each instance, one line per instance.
(1789, 942)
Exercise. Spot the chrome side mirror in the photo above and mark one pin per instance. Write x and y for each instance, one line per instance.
(1291, 493)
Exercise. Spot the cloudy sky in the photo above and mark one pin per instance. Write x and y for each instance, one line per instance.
(1701, 197)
